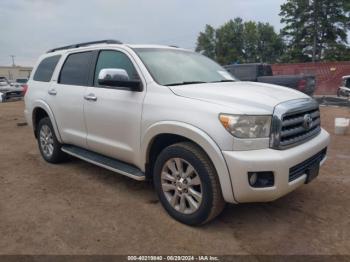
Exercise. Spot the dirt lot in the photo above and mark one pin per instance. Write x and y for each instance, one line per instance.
(78, 208)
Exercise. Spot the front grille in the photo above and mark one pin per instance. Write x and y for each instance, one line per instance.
(300, 169)
(293, 129)
(295, 122)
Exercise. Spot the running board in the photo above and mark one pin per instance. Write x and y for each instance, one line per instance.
(105, 162)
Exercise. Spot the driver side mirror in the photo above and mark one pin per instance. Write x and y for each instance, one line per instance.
(118, 78)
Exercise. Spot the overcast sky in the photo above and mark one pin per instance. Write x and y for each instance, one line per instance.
(31, 27)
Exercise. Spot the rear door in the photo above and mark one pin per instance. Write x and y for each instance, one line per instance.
(41, 80)
(113, 120)
(66, 97)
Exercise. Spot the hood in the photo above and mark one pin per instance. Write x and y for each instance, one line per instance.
(242, 97)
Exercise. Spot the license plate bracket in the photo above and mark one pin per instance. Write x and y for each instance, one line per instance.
(312, 172)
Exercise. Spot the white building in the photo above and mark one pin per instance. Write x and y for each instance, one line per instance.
(14, 72)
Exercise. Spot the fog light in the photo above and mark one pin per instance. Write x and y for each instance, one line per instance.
(253, 177)
(261, 179)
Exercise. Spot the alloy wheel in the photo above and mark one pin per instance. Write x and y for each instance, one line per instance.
(46, 141)
(181, 185)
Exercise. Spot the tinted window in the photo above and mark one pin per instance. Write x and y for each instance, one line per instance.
(75, 70)
(21, 80)
(115, 59)
(45, 69)
(347, 82)
(243, 72)
(267, 71)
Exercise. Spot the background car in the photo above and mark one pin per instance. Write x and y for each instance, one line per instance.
(12, 90)
(4, 84)
(344, 89)
(21, 81)
(263, 73)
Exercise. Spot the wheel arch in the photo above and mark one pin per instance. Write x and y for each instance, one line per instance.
(40, 108)
(178, 132)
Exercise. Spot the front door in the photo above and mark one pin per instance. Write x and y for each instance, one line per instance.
(113, 116)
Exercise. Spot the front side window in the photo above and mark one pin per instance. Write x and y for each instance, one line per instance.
(114, 59)
(75, 70)
(46, 68)
(178, 67)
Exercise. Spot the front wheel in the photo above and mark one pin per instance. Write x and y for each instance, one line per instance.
(187, 184)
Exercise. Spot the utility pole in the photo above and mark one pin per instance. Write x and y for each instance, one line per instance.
(13, 60)
(314, 46)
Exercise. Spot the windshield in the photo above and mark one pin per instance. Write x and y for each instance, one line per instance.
(179, 67)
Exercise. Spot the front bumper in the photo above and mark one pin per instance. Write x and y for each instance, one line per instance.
(278, 161)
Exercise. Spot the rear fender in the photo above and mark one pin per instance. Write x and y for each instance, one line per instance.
(43, 105)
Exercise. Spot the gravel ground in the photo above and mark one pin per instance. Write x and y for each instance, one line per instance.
(78, 208)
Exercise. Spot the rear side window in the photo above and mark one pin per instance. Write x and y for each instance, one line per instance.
(75, 70)
(45, 69)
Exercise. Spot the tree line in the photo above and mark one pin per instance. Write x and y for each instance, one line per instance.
(314, 30)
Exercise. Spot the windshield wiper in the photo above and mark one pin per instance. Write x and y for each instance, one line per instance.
(224, 80)
(186, 83)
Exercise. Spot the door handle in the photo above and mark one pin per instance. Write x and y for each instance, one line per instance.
(90, 97)
(52, 92)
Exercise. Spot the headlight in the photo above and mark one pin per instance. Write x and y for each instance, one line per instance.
(244, 126)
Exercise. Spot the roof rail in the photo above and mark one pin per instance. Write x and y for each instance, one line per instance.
(107, 41)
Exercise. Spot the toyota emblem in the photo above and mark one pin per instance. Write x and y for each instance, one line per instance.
(307, 121)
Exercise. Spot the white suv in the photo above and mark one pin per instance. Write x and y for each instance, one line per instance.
(178, 118)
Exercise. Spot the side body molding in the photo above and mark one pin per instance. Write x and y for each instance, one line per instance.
(198, 136)
(43, 105)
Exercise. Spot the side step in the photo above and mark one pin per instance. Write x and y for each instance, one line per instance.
(105, 162)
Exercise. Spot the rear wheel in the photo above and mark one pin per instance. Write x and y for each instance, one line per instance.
(187, 184)
(49, 146)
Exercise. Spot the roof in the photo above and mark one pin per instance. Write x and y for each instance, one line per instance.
(151, 46)
(103, 43)
(106, 41)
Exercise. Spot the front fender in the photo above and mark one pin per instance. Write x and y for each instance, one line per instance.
(199, 137)
(43, 105)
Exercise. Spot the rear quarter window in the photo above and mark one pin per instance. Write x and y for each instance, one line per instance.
(46, 68)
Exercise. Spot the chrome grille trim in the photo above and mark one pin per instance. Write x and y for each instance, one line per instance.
(287, 123)
(299, 129)
(300, 119)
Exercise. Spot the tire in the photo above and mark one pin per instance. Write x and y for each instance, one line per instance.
(184, 190)
(339, 92)
(49, 146)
